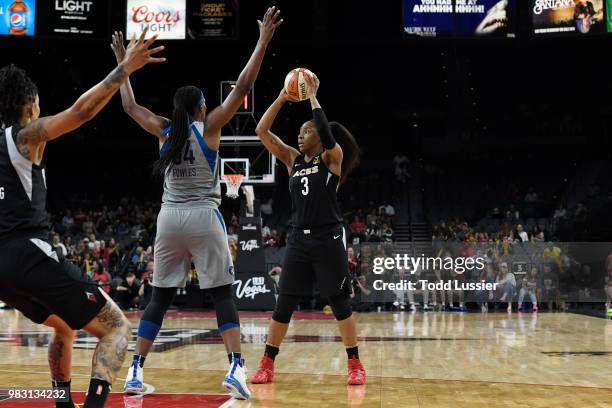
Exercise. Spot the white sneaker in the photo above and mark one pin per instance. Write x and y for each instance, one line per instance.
(425, 307)
(412, 307)
(134, 380)
(236, 381)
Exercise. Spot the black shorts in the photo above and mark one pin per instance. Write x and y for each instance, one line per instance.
(36, 282)
(316, 257)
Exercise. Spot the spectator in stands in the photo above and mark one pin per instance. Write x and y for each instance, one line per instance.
(145, 291)
(537, 235)
(550, 286)
(552, 253)
(372, 219)
(60, 248)
(140, 260)
(272, 240)
(506, 283)
(68, 221)
(357, 229)
(114, 255)
(232, 235)
(529, 286)
(275, 274)
(88, 226)
(127, 292)
(69, 245)
(531, 196)
(353, 262)
(373, 233)
(387, 209)
(521, 233)
(101, 277)
(387, 233)
(485, 296)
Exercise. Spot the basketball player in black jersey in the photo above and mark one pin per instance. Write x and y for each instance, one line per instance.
(316, 250)
(46, 289)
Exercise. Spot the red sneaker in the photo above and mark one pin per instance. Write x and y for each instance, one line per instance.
(265, 371)
(356, 372)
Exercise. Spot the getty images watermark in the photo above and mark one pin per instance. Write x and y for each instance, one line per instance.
(414, 265)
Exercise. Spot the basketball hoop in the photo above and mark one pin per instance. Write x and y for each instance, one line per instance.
(232, 181)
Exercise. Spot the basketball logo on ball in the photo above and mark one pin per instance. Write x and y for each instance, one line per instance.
(295, 84)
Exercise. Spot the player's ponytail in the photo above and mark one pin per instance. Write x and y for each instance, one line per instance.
(187, 100)
(350, 149)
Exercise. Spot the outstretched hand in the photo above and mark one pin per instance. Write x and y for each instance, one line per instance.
(118, 47)
(139, 53)
(313, 84)
(283, 95)
(271, 20)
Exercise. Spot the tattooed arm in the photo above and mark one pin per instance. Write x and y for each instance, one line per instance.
(37, 133)
(273, 143)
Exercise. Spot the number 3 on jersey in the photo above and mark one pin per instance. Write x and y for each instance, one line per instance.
(304, 181)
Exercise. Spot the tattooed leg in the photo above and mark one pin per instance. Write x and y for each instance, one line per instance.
(114, 332)
(60, 349)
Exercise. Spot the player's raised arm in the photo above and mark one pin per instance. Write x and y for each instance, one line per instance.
(333, 152)
(221, 115)
(149, 121)
(138, 54)
(273, 143)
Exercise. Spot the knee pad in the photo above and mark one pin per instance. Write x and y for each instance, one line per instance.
(341, 307)
(161, 299)
(285, 305)
(227, 314)
(153, 316)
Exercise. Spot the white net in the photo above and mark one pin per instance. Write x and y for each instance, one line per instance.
(233, 182)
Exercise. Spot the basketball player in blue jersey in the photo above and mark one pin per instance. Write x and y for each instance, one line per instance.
(316, 249)
(189, 225)
(46, 288)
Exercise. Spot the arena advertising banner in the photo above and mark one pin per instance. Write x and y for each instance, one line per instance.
(485, 17)
(443, 18)
(17, 17)
(428, 18)
(570, 17)
(79, 18)
(609, 15)
(166, 18)
(212, 19)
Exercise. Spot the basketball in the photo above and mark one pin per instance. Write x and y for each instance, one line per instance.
(295, 84)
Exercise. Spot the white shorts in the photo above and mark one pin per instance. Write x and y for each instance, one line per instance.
(191, 234)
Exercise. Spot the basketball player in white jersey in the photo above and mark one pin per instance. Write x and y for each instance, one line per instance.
(190, 226)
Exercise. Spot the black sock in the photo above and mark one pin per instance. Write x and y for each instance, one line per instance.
(140, 359)
(232, 356)
(352, 352)
(97, 393)
(65, 385)
(271, 351)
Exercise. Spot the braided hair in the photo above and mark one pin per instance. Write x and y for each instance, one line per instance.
(187, 100)
(16, 91)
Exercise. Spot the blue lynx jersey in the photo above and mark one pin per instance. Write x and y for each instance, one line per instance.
(313, 188)
(194, 177)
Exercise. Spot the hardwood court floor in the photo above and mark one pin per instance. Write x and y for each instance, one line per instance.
(413, 360)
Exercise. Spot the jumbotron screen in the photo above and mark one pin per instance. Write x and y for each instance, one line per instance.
(445, 18)
(568, 17)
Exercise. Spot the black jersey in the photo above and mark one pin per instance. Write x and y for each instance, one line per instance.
(313, 194)
(23, 192)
